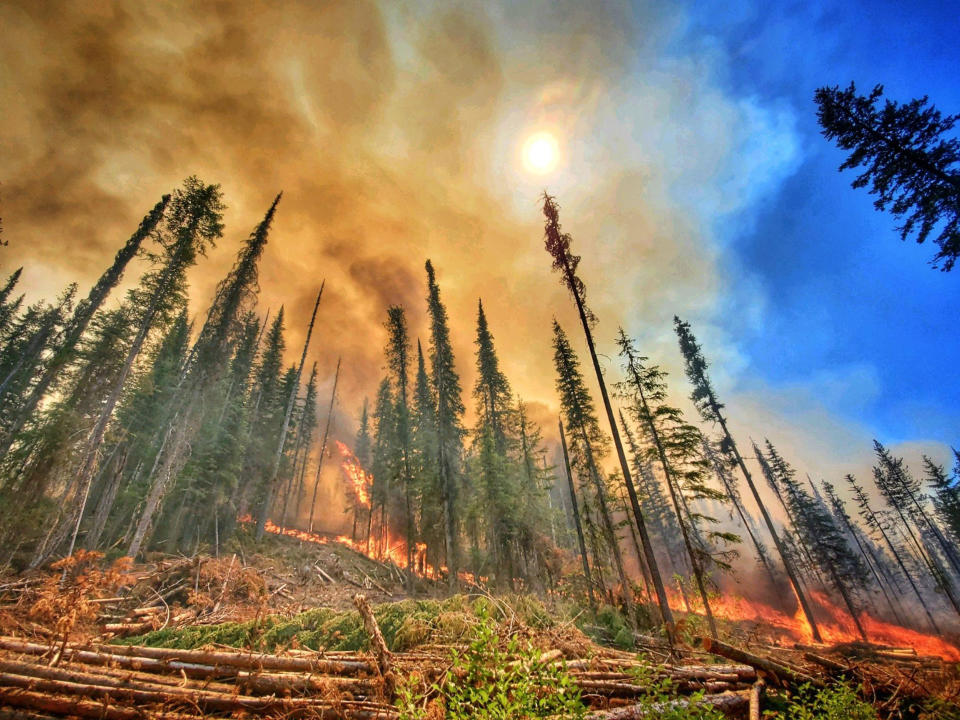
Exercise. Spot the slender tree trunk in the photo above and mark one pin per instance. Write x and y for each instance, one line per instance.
(323, 451)
(727, 484)
(875, 522)
(576, 520)
(611, 535)
(105, 503)
(870, 561)
(662, 600)
(675, 496)
(85, 475)
(787, 565)
(278, 457)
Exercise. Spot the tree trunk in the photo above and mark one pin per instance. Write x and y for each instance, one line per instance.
(662, 600)
(787, 565)
(576, 519)
(323, 452)
(278, 457)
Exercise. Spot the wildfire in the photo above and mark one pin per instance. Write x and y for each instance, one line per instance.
(360, 479)
(834, 623)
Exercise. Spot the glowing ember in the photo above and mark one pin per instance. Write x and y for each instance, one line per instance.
(360, 480)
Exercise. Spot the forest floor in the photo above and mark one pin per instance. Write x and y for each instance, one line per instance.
(275, 628)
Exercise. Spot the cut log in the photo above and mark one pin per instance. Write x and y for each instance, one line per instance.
(756, 700)
(781, 673)
(730, 704)
(378, 645)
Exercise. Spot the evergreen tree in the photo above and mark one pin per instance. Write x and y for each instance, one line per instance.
(426, 468)
(446, 387)
(575, 508)
(587, 444)
(676, 446)
(875, 524)
(898, 488)
(398, 363)
(870, 560)
(909, 161)
(210, 358)
(946, 491)
(557, 244)
(811, 519)
(385, 457)
(290, 394)
(192, 222)
(496, 475)
(705, 399)
(63, 353)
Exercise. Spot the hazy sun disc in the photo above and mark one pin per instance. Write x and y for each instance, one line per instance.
(540, 153)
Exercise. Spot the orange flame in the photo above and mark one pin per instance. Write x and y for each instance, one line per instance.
(361, 481)
(834, 623)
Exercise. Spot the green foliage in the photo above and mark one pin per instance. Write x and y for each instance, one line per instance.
(496, 679)
(835, 702)
(908, 159)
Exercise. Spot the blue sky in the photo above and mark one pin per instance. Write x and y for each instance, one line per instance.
(843, 293)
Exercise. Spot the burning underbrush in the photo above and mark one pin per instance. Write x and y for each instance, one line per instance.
(241, 624)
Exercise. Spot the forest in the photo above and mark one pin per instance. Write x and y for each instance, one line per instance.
(130, 431)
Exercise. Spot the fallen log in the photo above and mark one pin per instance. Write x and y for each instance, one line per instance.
(204, 700)
(74, 707)
(730, 704)
(781, 673)
(756, 699)
(378, 645)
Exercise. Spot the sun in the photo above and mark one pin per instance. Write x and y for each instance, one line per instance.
(540, 153)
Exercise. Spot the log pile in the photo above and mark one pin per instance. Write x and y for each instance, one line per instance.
(897, 681)
(98, 680)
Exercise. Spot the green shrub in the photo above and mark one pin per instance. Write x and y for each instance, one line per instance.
(493, 680)
(834, 702)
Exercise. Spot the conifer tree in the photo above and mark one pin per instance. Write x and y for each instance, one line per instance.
(64, 352)
(843, 569)
(9, 306)
(192, 222)
(497, 475)
(446, 386)
(586, 446)
(557, 244)
(902, 489)
(384, 461)
(908, 157)
(575, 507)
(705, 399)
(291, 398)
(875, 524)
(426, 469)
(946, 491)
(398, 364)
(870, 560)
(722, 470)
(897, 486)
(210, 358)
(676, 446)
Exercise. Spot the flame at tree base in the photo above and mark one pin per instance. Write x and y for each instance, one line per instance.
(834, 624)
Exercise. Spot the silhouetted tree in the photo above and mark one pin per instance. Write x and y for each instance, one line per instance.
(909, 161)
